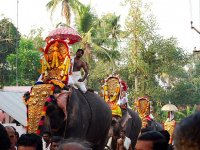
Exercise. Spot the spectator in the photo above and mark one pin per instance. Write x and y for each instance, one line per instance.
(2, 116)
(74, 144)
(123, 142)
(187, 133)
(16, 134)
(55, 142)
(4, 139)
(29, 142)
(151, 140)
(12, 136)
(46, 139)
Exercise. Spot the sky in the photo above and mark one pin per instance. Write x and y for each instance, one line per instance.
(173, 16)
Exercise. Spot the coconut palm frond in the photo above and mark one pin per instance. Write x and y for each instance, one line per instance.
(85, 18)
(115, 26)
(66, 11)
(74, 4)
(52, 5)
(105, 54)
(87, 37)
(101, 51)
(49, 4)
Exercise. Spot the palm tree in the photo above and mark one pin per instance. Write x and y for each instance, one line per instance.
(66, 8)
(88, 25)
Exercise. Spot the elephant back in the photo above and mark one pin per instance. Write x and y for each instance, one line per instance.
(87, 112)
(89, 117)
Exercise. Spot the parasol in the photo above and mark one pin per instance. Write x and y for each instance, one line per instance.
(65, 33)
(169, 107)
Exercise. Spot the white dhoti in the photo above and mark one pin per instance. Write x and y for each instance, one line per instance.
(73, 80)
(127, 143)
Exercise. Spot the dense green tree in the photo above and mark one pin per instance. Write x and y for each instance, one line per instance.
(28, 59)
(28, 63)
(9, 41)
(140, 28)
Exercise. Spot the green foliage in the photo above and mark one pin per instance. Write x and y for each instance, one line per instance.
(189, 110)
(84, 18)
(97, 73)
(28, 63)
(9, 41)
(107, 31)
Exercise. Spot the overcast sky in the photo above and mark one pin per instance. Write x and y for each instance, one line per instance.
(173, 16)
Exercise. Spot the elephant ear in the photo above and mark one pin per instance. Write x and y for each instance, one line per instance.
(125, 119)
(56, 116)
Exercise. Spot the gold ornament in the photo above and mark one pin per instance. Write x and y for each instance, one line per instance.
(35, 104)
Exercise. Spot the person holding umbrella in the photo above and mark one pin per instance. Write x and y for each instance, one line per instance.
(170, 123)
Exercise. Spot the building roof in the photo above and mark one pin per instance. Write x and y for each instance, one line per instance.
(12, 103)
(17, 88)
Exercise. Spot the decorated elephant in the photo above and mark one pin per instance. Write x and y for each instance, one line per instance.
(60, 108)
(123, 117)
(88, 117)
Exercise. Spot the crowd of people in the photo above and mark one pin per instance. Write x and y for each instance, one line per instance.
(9, 140)
(186, 137)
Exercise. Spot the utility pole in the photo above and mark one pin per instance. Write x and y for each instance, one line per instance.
(17, 48)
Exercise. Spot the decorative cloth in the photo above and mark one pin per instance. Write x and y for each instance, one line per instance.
(122, 101)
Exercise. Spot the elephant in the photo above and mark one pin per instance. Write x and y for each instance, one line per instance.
(88, 118)
(154, 125)
(130, 122)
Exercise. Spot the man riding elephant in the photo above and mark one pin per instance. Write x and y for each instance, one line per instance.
(75, 77)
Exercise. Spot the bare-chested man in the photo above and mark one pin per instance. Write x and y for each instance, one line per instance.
(75, 77)
(123, 143)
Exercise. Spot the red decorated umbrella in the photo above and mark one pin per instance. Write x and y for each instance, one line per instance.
(65, 33)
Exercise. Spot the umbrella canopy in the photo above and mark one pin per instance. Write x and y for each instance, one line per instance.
(65, 33)
(169, 107)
